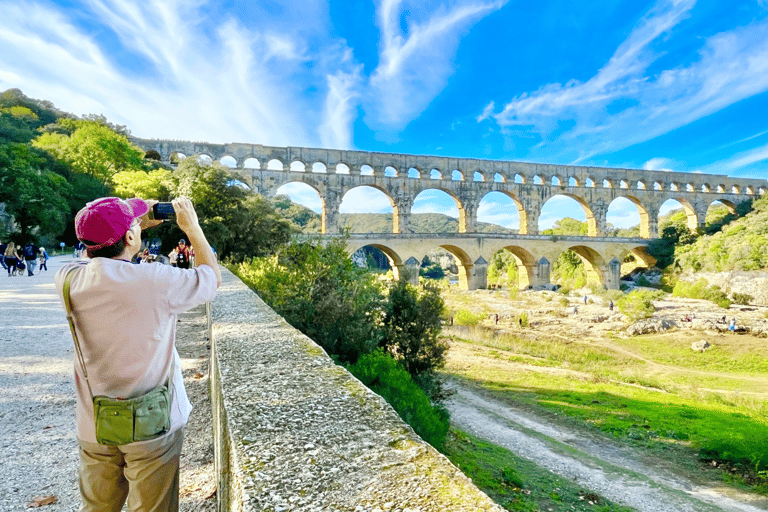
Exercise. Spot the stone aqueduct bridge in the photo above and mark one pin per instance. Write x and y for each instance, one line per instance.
(332, 173)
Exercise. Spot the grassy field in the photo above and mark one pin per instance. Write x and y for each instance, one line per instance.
(702, 410)
(517, 484)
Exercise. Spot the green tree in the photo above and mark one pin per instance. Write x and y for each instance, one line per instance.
(34, 197)
(156, 184)
(319, 291)
(567, 226)
(238, 223)
(412, 324)
(92, 148)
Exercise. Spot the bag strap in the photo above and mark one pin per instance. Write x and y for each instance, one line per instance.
(71, 320)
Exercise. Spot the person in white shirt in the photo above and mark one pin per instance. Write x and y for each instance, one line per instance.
(125, 318)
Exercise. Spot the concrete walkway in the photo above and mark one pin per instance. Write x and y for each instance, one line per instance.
(38, 450)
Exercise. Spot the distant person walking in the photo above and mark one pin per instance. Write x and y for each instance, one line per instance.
(732, 325)
(3, 247)
(30, 258)
(43, 255)
(11, 259)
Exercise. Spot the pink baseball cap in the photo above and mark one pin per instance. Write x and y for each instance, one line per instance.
(105, 221)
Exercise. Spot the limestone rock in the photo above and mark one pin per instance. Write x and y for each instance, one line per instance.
(651, 325)
(700, 346)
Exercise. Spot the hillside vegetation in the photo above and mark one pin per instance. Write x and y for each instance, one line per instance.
(740, 245)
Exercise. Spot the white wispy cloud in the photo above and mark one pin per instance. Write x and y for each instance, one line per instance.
(178, 73)
(732, 66)
(657, 164)
(415, 66)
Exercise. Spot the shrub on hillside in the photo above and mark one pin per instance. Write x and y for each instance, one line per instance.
(382, 374)
(468, 318)
(701, 290)
(637, 304)
(742, 298)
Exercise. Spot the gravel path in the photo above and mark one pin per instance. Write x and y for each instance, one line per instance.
(615, 472)
(38, 450)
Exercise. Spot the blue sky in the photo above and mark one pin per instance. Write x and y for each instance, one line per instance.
(678, 84)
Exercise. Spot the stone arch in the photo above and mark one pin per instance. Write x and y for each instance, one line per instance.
(641, 254)
(526, 266)
(750, 190)
(204, 158)
(594, 264)
(367, 170)
(761, 191)
(692, 219)
(735, 189)
(228, 161)
(342, 168)
(463, 220)
(176, 157)
(252, 163)
(435, 174)
(275, 164)
(378, 188)
(589, 182)
(706, 188)
(645, 219)
(607, 183)
(457, 175)
(573, 181)
(521, 212)
(641, 185)
(556, 180)
(414, 173)
(298, 166)
(658, 185)
(519, 178)
(319, 167)
(499, 178)
(689, 187)
(464, 264)
(395, 261)
(592, 221)
(325, 215)
(478, 176)
(390, 172)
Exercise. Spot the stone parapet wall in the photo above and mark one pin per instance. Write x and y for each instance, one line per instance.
(294, 431)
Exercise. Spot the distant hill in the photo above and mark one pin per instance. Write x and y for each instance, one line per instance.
(420, 223)
(20, 116)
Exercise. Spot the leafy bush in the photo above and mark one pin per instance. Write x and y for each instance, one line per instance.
(411, 327)
(701, 290)
(642, 281)
(468, 318)
(319, 291)
(637, 304)
(382, 374)
(742, 298)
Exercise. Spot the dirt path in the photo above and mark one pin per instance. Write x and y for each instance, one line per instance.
(615, 472)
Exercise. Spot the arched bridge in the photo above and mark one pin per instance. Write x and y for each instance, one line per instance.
(333, 173)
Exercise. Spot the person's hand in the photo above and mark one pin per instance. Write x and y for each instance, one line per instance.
(186, 216)
(146, 222)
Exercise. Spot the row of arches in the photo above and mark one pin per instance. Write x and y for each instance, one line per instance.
(624, 216)
(533, 270)
(584, 179)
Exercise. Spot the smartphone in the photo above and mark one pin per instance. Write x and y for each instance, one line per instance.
(162, 211)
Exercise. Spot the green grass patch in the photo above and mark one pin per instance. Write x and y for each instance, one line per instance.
(518, 484)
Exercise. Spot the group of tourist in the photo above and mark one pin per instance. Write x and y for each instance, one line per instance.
(16, 259)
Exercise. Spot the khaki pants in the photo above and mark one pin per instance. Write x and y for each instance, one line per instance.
(147, 474)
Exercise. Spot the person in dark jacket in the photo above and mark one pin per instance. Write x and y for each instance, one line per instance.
(30, 257)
